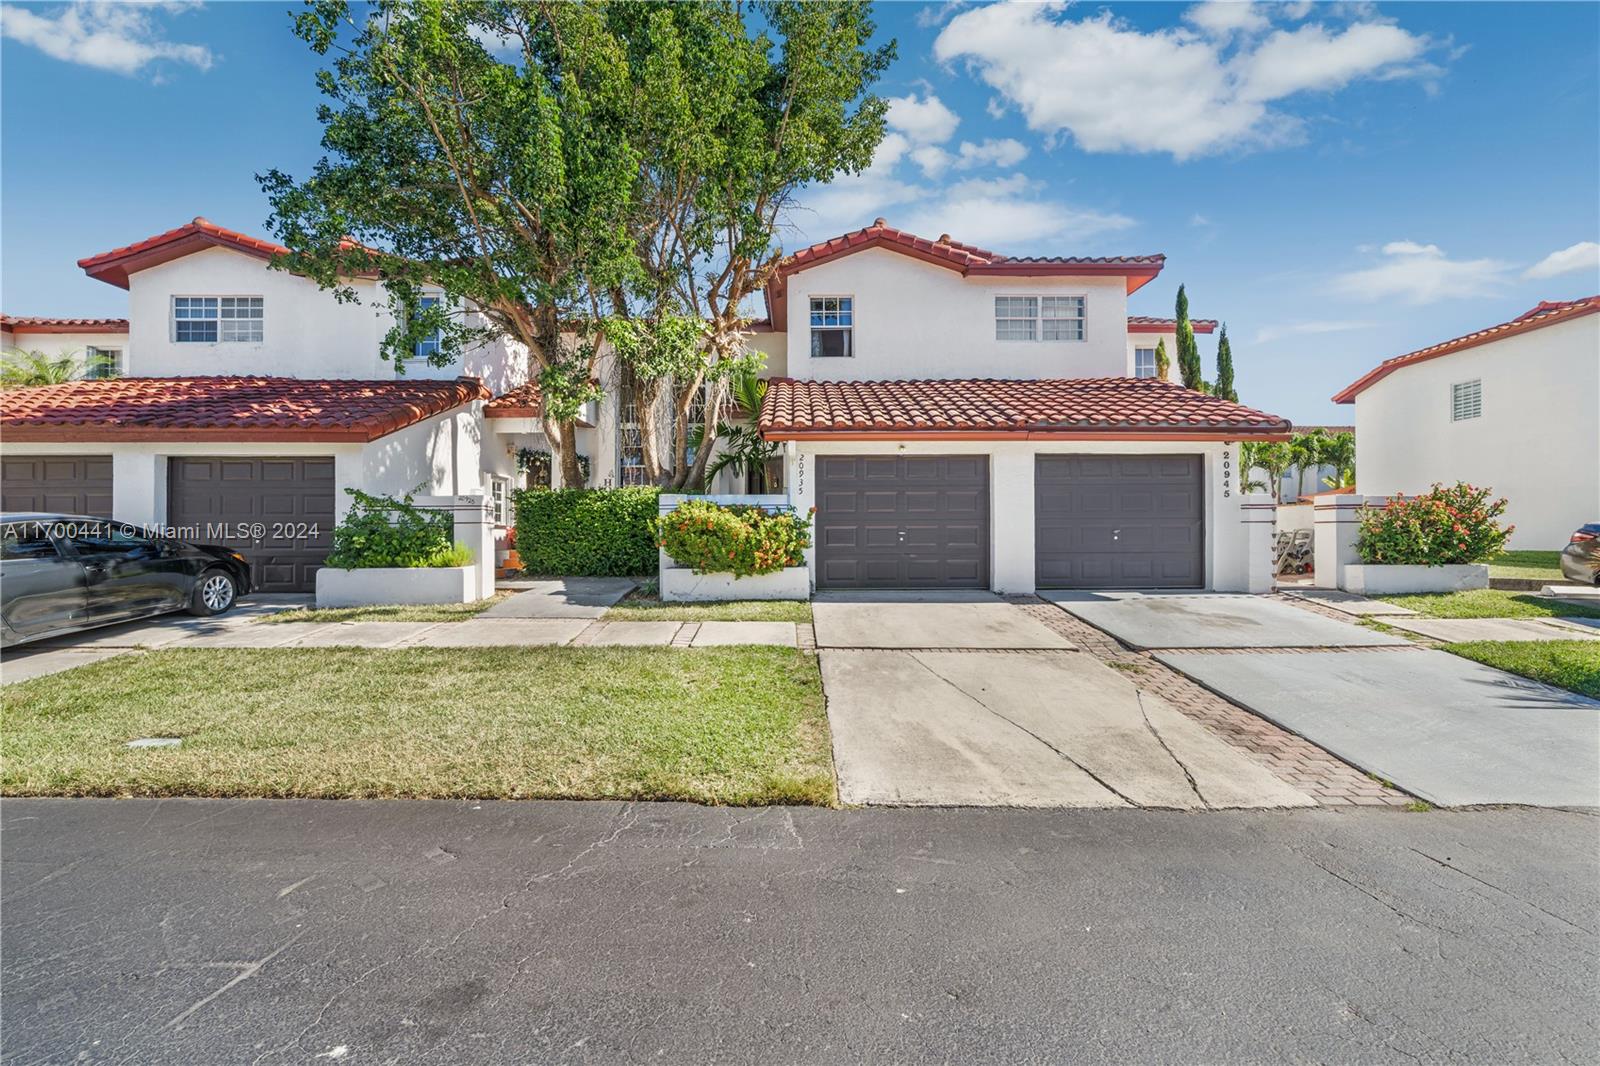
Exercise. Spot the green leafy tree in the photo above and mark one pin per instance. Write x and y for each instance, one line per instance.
(744, 450)
(1272, 458)
(1163, 361)
(507, 183)
(21, 369)
(730, 123)
(1305, 455)
(1339, 452)
(1188, 349)
(1224, 386)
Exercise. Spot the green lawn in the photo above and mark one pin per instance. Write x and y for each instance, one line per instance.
(1538, 566)
(737, 725)
(1490, 603)
(444, 612)
(646, 608)
(1571, 664)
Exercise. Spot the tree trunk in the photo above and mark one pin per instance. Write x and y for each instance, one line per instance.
(564, 452)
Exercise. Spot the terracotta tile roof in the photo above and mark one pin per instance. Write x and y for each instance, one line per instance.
(1083, 408)
(1547, 313)
(114, 266)
(1146, 324)
(227, 408)
(30, 324)
(966, 258)
(524, 401)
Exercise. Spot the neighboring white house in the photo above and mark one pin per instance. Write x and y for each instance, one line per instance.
(1146, 334)
(78, 338)
(1515, 408)
(250, 393)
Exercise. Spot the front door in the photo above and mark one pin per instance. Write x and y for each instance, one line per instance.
(127, 572)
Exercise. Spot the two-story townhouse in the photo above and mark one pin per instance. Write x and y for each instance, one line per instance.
(928, 377)
(1514, 407)
(960, 418)
(98, 344)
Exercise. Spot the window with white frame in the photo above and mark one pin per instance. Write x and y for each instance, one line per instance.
(500, 500)
(1144, 362)
(833, 321)
(1035, 318)
(428, 346)
(1466, 400)
(209, 319)
(102, 363)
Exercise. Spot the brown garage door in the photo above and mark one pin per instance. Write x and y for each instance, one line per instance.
(56, 484)
(1119, 521)
(897, 521)
(279, 512)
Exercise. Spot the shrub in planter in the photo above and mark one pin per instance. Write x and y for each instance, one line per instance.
(587, 532)
(382, 531)
(711, 538)
(1442, 527)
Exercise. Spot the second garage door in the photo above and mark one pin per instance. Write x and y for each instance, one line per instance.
(897, 521)
(1119, 521)
(277, 511)
(56, 484)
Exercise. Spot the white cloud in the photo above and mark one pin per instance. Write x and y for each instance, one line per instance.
(1008, 213)
(923, 121)
(932, 159)
(122, 38)
(1004, 152)
(1581, 257)
(1422, 274)
(1267, 334)
(938, 14)
(1116, 88)
(1221, 18)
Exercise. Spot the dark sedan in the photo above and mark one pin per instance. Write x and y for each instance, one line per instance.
(63, 573)
(1580, 559)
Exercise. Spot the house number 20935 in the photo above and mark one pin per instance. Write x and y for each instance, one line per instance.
(1227, 473)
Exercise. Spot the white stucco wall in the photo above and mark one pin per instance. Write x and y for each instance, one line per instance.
(917, 320)
(56, 345)
(1151, 340)
(1537, 442)
(1011, 503)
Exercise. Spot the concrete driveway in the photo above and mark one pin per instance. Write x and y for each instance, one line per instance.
(965, 700)
(1148, 620)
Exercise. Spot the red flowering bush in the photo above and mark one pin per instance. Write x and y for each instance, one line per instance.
(1438, 528)
(714, 539)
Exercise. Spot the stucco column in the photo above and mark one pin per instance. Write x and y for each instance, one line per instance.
(139, 487)
(474, 527)
(1011, 544)
(1259, 515)
(1334, 529)
(800, 471)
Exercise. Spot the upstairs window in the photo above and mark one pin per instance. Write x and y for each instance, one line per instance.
(102, 363)
(429, 346)
(1040, 318)
(832, 327)
(209, 319)
(1144, 362)
(1466, 400)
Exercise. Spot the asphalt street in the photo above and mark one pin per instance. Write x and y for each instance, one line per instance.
(195, 931)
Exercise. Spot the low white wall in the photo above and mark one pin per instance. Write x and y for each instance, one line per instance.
(1374, 580)
(1011, 510)
(1293, 516)
(392, 586)
(682, 584)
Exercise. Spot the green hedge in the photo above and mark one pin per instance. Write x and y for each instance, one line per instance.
(587, 532)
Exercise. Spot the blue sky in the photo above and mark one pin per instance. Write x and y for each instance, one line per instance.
(1339, 182)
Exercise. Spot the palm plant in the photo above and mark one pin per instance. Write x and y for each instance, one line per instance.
(1269, 456)
(1339, 452)
(21, 369)
(1305, 455)
(742, 448)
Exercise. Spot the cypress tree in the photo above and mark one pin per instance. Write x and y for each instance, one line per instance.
(1163, 361)
(1188, 350)
(1225, 368)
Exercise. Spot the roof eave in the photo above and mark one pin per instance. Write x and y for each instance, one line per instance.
(1141, 433)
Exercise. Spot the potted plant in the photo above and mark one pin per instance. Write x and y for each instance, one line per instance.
(390, 551)
(712, 551)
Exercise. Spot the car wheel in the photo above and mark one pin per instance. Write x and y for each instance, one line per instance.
(213, 593)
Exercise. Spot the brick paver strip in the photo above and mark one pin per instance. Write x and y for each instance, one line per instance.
(1326, 779)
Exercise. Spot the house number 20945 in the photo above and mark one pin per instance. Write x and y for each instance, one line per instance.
(1227, 473)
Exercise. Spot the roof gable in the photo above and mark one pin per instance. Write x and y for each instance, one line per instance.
(1547, 313)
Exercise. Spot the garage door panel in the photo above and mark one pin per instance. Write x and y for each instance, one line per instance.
(1119, 521)
(58, 484)
(219, 500)
(922, 521)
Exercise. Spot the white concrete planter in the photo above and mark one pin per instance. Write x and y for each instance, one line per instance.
(385, 586)
(790, 583)
(1374, 580)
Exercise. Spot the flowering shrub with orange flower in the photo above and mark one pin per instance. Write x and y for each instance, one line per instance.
(711, 538)
(1443, 526)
